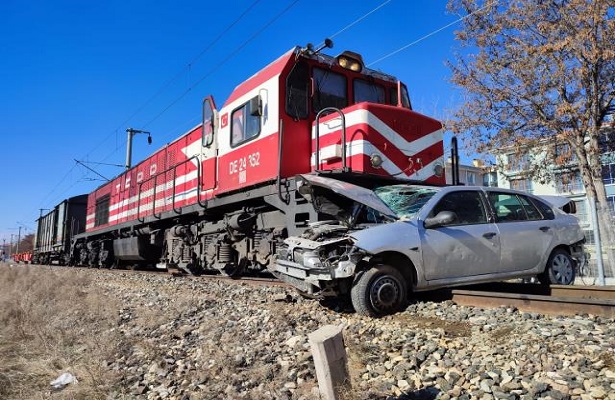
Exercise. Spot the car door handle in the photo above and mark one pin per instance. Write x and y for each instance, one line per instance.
(544, 228)
(489, 235)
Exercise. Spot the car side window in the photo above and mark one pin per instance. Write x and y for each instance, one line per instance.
(467, 206)
(507, 207)
(545, 210)
(532, 212)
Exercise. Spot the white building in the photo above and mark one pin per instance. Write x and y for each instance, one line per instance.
(566, 179)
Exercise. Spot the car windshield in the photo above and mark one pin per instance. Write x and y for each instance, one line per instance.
(405, 200)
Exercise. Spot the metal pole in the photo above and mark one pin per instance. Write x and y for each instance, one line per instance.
(18, 239)
(11, 246)
(592, 209)
(129, 131)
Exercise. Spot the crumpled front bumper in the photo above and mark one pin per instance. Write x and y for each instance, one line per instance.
(311, 280)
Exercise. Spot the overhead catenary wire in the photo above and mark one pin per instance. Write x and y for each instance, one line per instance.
(430, 34)
(188, 66)
(224, 61)
(156, 94)
(360, 19)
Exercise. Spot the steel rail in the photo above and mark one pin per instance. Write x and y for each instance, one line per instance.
(544, 304)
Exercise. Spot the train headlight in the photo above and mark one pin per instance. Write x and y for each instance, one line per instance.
(350, 60)
(438, 170)
(375, 160)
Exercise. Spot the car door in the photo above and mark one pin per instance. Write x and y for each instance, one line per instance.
(526, 236)
(468, 246)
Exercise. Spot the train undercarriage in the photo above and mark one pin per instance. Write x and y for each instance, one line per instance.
(234, 235)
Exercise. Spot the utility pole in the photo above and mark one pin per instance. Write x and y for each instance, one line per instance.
(18, 239)
(131, 132)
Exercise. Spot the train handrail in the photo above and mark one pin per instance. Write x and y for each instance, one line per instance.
(328, 110)
(285, 199)
(174, 170)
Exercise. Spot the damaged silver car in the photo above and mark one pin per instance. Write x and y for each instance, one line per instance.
(382, 243)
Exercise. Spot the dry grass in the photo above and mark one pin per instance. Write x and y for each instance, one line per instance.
(53, 322)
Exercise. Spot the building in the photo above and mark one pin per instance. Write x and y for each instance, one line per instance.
(476, 174)
(565, 177)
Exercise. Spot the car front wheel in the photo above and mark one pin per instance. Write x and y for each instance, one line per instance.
(559, 269)
(381, 290)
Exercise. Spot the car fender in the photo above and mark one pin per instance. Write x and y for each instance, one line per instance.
(399, 236)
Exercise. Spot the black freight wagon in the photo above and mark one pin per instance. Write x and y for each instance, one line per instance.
(56, 229)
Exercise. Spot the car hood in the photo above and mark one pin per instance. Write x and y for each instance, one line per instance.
(334, 197)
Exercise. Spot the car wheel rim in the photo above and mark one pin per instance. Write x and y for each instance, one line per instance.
(384, 293)
(562, 269)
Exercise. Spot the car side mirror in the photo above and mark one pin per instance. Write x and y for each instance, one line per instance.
(443, 218)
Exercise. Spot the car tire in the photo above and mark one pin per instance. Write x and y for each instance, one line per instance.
(560, 269)
(378, 291)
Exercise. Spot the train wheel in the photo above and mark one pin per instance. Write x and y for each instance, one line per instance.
(381, 290)
(233, 269)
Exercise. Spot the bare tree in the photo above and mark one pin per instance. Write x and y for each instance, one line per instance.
(534, 73)
(27, 243)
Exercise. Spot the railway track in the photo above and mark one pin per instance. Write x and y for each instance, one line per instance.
(554, 300)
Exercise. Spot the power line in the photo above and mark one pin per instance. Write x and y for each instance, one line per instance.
(157, 93)
(189, 65)
(360, 19)
(431, 34)
(178, 75)
(224, 61)
(216, 67)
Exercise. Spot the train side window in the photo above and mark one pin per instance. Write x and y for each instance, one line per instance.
(101, 214)
(245, 124)
(330, 90)
(368, 91)
(297, 85)
(405, 97)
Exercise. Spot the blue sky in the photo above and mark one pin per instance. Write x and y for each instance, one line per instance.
(75, 74)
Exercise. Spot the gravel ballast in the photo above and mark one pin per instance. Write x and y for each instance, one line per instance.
(186, 338)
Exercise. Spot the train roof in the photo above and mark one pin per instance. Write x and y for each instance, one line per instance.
(277, 66)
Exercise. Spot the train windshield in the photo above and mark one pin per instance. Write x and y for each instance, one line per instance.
(330, 90)
(368, 91)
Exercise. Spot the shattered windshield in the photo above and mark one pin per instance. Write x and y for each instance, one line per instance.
(405, 200)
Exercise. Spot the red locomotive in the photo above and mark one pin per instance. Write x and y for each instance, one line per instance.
(223, 195)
